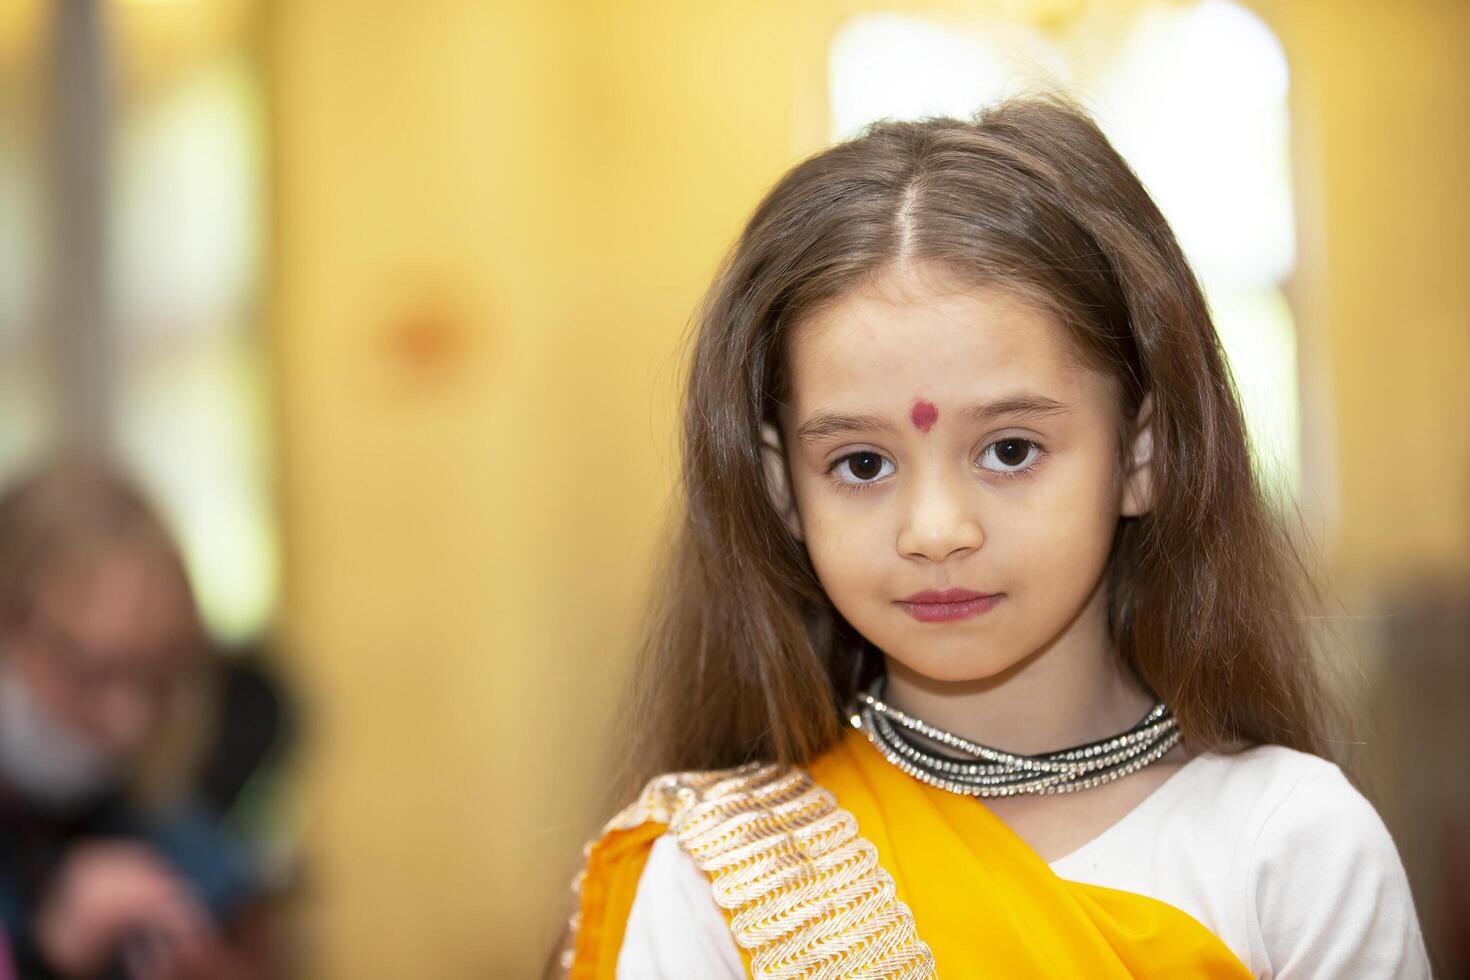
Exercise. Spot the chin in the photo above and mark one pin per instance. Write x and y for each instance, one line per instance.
(960, 668)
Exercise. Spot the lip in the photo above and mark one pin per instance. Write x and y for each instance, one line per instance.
(948, 605)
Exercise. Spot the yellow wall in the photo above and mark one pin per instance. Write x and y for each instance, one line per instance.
(492, 221)
(465, 544)
(1381, 92)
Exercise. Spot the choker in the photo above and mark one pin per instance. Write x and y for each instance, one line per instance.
(997, 773)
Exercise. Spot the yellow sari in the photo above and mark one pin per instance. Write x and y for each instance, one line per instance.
(851, 868)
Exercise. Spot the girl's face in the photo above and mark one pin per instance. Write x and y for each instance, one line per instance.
(946, 440)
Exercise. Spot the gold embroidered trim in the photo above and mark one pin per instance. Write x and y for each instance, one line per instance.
(807, 896)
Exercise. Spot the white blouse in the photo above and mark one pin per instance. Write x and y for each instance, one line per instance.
(1272, 849)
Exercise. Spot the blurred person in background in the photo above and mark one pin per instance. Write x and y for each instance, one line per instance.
(106, 868)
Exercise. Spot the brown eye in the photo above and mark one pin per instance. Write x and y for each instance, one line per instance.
(865, 466)
(1011, 452)
(862, 467)
(1011, 455)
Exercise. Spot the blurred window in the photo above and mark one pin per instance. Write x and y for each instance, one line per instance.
(186, 226)
(171, 347)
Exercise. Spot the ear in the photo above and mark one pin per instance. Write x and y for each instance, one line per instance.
(778, 478)
(1138, 480)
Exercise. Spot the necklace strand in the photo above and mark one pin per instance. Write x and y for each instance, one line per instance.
(997, 773)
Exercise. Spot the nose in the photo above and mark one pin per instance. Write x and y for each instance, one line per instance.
(940, 519)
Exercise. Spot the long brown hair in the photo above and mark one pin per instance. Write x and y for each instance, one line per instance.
(746, 658)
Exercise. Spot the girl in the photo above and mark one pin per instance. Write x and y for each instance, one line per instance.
(981, 652)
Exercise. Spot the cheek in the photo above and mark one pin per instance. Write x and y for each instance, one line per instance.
(842, 545)
(1063, 533)
(847, 539)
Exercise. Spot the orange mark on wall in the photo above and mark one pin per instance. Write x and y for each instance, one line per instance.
(427, 343)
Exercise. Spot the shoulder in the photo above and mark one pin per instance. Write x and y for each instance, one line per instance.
(1325, 885)
(675, 928)
(643, 901)
(1296, 807)
(1245, 801)
(1264, 776)
(1259, 796)
(1291, 813)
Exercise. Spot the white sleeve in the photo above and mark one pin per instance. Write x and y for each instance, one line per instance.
(675, 930)
(1331, 897)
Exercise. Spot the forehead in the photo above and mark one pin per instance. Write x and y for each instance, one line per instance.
(913, 332)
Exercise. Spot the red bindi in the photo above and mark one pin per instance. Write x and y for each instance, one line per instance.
(923, 415)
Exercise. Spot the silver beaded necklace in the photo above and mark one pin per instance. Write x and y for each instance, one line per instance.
(998, 773)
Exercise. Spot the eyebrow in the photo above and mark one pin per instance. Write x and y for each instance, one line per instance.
(1025, 405)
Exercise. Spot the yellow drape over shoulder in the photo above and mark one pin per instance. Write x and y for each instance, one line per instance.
(852, 868)
(606, 888)
(988, 905)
